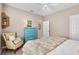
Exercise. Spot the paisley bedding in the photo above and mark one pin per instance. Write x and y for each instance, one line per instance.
(42, 46)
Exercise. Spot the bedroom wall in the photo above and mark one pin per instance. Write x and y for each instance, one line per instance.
(59, 21)
(18, 18)
(0, 23)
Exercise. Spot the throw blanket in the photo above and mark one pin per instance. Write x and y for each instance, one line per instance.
(42, 46)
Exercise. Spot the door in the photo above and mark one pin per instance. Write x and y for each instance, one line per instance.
(46, 28)
(74, 27)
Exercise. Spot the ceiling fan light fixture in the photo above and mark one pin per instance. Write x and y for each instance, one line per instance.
(45, 6)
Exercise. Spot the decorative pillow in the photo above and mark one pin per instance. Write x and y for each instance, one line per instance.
(11, 37)
(17, 40)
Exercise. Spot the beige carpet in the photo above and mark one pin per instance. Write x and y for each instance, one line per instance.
(0, 51)
(18, 52)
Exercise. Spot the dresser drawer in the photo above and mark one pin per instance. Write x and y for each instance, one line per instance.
(29, 38)
(30, 33)
(30, 29)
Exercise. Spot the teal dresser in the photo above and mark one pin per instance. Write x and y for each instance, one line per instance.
(30, 33)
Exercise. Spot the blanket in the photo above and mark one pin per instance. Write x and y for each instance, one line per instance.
(42, 46)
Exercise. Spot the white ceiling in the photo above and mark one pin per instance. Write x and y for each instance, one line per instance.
(38, 8)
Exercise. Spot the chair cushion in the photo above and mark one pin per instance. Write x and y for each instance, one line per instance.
(17, 40)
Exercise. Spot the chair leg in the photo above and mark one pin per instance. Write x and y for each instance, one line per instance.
(14, 51)
(3, 49)
(6, 50)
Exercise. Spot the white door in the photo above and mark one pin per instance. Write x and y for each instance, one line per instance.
(46, 28)
(74, 27)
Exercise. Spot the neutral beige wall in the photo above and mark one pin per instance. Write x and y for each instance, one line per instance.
(0, 23)
(17, 18)
(0, 18)
(59, 21)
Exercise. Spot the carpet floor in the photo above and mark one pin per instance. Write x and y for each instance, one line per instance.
(8, 52)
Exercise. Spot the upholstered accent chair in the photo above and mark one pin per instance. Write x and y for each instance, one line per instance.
(12, 42)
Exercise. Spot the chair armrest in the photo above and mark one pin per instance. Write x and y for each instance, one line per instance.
(9, 44)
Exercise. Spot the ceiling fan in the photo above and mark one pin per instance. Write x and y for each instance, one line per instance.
(46, 6)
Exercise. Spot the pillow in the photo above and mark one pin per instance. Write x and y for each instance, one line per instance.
(11, 37)
(17, 40)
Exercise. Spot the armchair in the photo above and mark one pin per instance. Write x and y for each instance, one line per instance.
(11, 41)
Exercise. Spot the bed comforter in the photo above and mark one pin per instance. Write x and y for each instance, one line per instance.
(42, 46)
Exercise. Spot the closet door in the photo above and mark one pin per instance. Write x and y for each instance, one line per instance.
(74, 27)
(46, 28)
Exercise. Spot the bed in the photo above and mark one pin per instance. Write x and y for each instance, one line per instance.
(42, 46)
(69, 47)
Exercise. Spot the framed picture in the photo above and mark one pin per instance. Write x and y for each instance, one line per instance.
(4, 21)
(29, 23)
